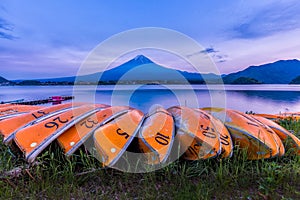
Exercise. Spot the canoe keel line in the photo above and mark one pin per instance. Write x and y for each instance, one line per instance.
(191, 134)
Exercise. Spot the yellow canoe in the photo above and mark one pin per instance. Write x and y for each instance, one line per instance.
(156, 136)
(196, 135)
(113, 138)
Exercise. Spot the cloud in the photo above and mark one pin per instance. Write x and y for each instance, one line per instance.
(219, 58)
(208, 50)
(213, 53)
(243, 53)
(6, 30)
(270, 19)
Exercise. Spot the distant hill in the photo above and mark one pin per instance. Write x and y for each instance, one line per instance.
(296, 80)
(143, 70)
(140, 68)
(245, 80)
(280, 72)
(30, 82)
(4, 81)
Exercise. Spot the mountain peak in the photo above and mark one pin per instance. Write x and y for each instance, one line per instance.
(141, 59)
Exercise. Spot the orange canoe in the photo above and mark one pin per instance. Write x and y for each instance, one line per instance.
(8, 127)
(269, 130)
(196, 135)
(225, 137)
(33, 139)
(74, 137)
(156, 136)
(247, 133)
(5, 105)
(270, 116)
(113, 138)
(4, 117)
(277, 117)
(12, 109)
(281, 132)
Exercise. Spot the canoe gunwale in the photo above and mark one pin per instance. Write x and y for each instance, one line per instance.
(260, 143)
(12, 115)
(35, 152)
(83, 139)
(131, 138)
(9, 138)
(140, 134)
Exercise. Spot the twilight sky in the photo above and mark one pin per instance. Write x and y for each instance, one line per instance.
(51, 38)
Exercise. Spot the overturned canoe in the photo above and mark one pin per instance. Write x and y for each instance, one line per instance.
(282, 133)
(196, 135)
(271, 116)
(13, 110)
(282, 116)
(2, 105)
(225, 137)
(269, 130)
(113, 138)
(76, 136)
(159, 136)
(247, 133)
(10, 126)
(156, 136)
(33, 139)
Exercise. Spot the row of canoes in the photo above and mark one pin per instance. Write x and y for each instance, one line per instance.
(188, 133)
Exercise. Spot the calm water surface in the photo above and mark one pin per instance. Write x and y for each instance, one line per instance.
(257, 98)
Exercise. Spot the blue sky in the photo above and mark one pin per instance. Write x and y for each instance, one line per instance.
(51, 38)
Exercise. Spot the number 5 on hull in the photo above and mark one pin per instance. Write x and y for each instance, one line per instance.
(74, 137)
(113, 138)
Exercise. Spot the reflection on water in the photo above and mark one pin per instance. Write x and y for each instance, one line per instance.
(284, 96)
(260, 98)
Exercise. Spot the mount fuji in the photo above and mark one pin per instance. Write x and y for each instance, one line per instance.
(140, 69)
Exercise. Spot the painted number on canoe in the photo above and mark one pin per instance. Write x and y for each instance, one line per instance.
(208, 131)
(55, 123)
(122, 133)
(39, 114)
(162, 139)
(89, 123)
(224, 139)
(194, 149)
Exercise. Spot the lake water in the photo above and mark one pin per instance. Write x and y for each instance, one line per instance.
(256, 98)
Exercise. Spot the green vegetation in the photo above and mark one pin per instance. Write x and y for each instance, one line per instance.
(82, 177)
(296, 80)
(246, 80)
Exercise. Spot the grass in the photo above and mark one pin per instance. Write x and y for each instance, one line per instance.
(83, 177)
